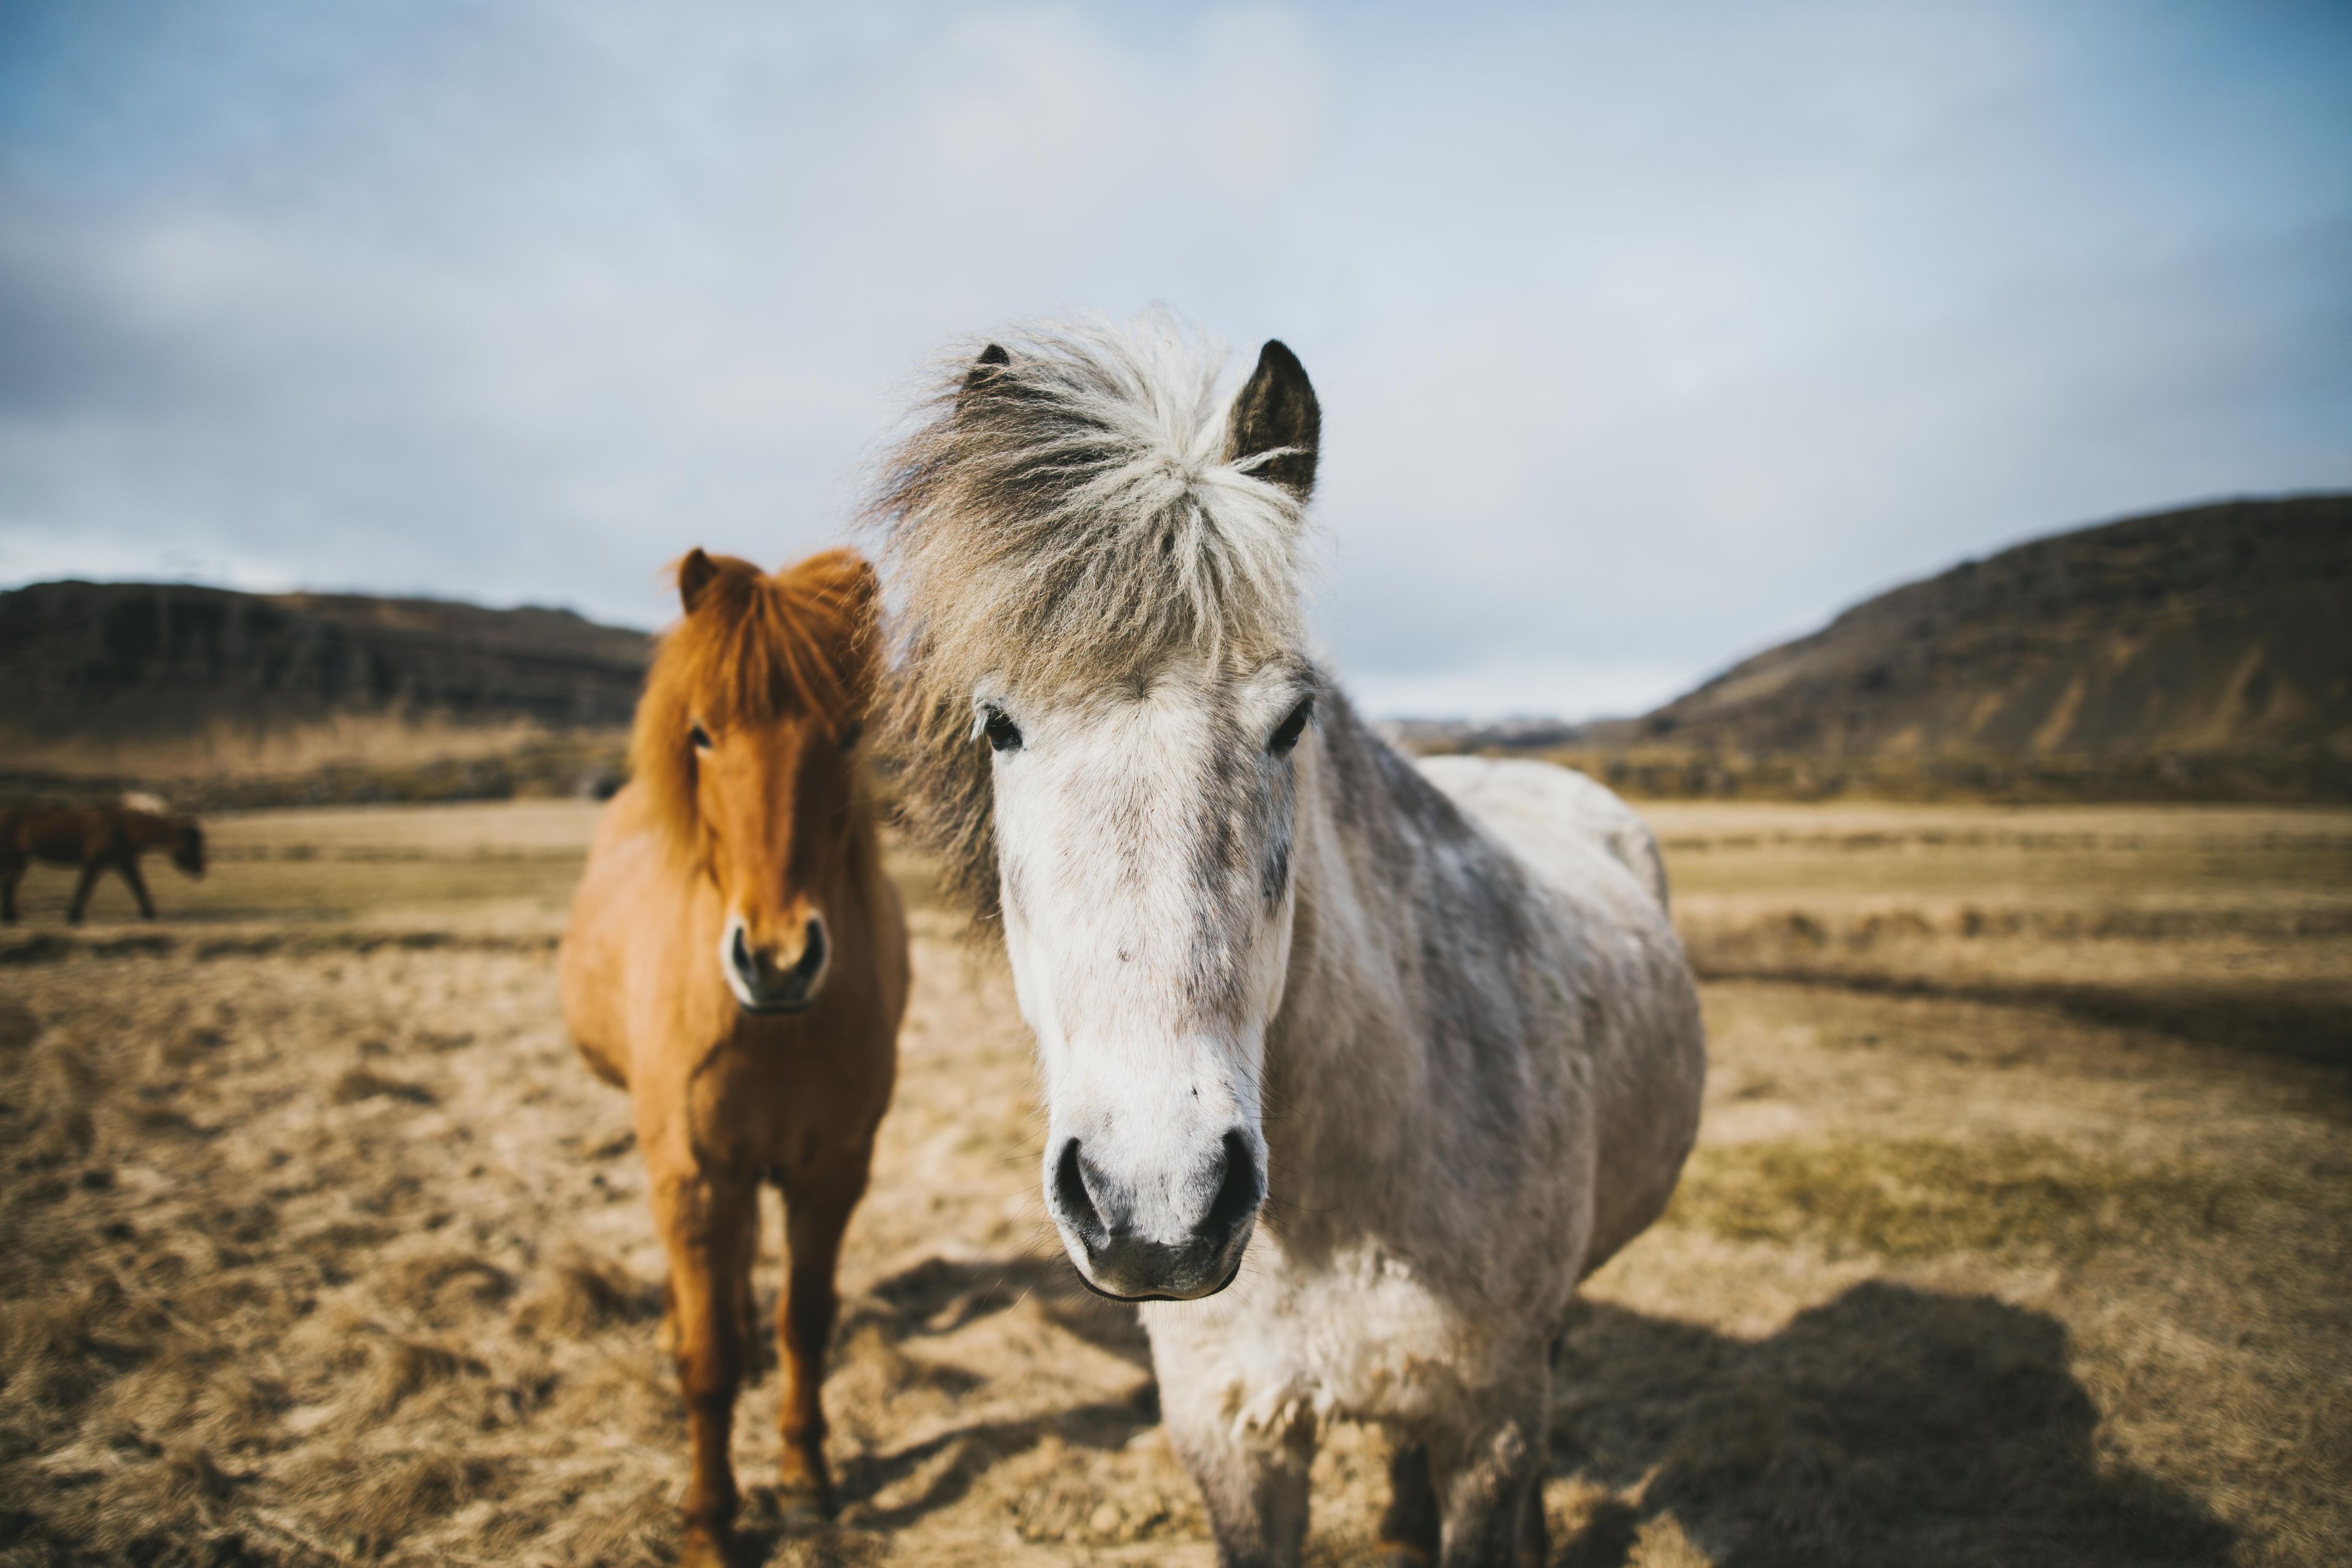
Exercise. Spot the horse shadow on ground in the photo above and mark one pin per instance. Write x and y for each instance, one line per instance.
(939, 1296)
(2306, 1022)
(936, 1298)
(1891, 1424)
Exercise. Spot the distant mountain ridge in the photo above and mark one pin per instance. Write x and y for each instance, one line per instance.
(2224, 628)
(169, 679)
(2216, 631)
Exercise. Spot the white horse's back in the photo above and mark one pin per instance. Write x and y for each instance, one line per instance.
(1650, 1058)
(1553, 817)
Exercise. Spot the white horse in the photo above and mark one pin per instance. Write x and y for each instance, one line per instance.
(1352, 1068)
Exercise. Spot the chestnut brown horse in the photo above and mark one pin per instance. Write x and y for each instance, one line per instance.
(737, 959)
(99, 839)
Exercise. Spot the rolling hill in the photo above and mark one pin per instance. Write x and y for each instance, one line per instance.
(2218, 630)
(165, 681)
(2199, 652)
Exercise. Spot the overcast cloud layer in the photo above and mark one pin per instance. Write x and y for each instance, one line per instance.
(1644, 339)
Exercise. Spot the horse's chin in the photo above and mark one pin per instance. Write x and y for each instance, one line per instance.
(1233, 1272)
(775, 1009)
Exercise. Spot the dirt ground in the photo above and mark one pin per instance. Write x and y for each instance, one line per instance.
(2017, 1233)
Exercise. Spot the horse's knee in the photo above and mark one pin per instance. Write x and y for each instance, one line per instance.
(1485, 1469)
(705, 1330)
(1255, 1484)
(1484, 1495)
(709, 1347)
(1535, 1535)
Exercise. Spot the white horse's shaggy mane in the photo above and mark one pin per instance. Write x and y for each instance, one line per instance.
(1069, 511)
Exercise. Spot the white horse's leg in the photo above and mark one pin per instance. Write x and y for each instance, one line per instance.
(1253, 1482)
(1488, 1477)
(1409, 1528)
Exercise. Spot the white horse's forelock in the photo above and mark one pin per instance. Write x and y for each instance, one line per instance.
(1067, 512)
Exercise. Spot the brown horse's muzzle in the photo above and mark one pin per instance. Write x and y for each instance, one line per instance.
(768, 978)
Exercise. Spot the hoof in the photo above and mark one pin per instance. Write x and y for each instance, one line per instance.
(705, 1548)
(806, 1498)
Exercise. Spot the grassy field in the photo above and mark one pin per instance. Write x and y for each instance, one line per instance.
(2017, 1233)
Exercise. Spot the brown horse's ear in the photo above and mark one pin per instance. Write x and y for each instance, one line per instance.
(842, 586)
(1276, 412)
(695, 573)
(842, 579)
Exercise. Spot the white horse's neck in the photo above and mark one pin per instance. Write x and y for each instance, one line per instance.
(1407, 923)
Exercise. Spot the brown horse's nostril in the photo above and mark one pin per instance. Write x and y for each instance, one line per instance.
(761, 984)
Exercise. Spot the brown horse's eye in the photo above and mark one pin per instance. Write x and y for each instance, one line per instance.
(1292, 727)
(697, 737)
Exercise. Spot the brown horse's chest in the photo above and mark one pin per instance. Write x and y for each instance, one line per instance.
(783, 1100)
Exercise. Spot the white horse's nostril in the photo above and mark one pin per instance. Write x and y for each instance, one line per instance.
(1238, 1191)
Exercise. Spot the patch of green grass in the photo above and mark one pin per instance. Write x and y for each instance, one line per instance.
(1915, 1198)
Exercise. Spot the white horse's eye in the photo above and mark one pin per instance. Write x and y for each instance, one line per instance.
(1292, 727)
(1004, 734)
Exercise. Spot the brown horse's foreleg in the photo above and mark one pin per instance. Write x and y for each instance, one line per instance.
(817, 1212)
(129, 867)
(81, 900)
(701, 1216)
(756, 1348)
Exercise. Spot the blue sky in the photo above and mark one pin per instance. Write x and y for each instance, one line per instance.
(1645, 336)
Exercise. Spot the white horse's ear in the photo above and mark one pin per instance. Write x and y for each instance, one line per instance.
(695, 572)
(1276, 412)
(983, 370)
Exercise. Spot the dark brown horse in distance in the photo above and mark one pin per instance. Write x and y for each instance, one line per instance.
(737, 959)
(99, 839)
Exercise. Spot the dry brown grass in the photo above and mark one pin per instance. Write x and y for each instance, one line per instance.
(2016, 1233)
(1918, 1198)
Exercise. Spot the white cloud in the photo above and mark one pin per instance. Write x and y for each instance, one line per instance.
(1642, 337)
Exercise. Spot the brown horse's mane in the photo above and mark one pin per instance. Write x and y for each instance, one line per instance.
(754, 650)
